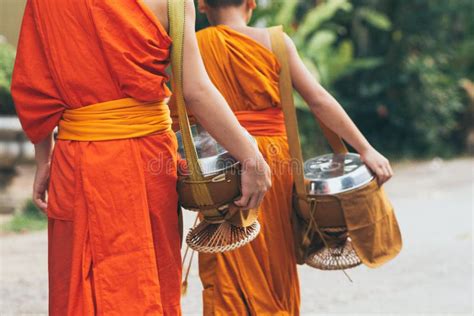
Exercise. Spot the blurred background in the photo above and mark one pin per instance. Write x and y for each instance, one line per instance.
(404, 71)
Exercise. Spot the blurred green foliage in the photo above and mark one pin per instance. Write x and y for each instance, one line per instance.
(410, 106)
(7, 58)
(395, 66)
(30, 218)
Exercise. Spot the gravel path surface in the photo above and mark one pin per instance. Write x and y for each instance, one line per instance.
(432, 275)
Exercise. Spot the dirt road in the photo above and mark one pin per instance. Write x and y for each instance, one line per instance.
(432, 275)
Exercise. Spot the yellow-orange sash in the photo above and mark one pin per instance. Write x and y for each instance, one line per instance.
(117, 119)
(268, 122)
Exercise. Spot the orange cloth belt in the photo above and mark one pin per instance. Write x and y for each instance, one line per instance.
(117, 119)
(268, 122)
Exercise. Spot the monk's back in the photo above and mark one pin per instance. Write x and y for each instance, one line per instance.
(241, 65)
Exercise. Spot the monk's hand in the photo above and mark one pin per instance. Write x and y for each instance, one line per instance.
(379, 165)
(256, 180)
(40, 186)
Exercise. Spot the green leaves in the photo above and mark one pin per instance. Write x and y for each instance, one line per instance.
(318, 39)
(7, 59)
(286, 13)
(374, 18)
(315, 18)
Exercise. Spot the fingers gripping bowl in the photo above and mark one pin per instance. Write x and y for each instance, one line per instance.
(223, 225)
(352, 219)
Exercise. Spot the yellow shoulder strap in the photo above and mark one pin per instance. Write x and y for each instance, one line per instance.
(176, 18)
(288, 107)
(286, 94)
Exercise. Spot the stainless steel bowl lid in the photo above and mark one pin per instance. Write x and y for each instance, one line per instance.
(335, 173)
(212, 157)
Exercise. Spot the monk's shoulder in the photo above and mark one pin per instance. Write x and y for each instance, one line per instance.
(205, 31)
(207, 35)
(259, 35)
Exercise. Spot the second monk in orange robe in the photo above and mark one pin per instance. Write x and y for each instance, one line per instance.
(260, 278)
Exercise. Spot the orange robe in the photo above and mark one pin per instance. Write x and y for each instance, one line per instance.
(260, 278)
(114, 245)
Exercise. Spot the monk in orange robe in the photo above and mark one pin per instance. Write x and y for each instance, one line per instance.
(97, 69)
(261, 278)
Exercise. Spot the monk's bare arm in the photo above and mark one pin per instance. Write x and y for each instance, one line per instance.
(43, 151)
(321, 103)
(212, 111)
(330, 112)
(202, 98)
(160, 9)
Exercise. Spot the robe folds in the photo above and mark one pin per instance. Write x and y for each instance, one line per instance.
(113, 237)
(261, 277)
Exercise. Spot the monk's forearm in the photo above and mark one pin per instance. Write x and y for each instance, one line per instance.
(43, 150)
(331, 113)
(211, 110)
(322, 104)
